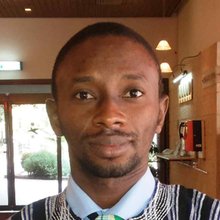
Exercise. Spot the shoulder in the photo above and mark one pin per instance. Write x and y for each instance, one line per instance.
(191, 202)
(41, 209)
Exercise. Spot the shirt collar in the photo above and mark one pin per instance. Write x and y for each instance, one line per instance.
(137, 197)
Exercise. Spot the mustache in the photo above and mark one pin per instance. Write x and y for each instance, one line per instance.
(109, 133)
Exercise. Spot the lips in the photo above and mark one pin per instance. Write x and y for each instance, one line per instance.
(111, 140)
(110, 146)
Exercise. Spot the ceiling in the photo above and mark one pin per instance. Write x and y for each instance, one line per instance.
(90, 8)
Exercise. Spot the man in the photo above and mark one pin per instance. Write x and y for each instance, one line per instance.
(109, 103)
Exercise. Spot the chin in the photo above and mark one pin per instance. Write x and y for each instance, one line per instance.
(110, 168)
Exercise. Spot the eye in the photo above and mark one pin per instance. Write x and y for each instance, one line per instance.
(133, 93)
(83, 95)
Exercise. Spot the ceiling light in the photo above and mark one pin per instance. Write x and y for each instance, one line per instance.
(165, 67)
(28, 9)
(163, 45)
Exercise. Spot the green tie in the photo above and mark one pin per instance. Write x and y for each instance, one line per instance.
(96, 216)
(108, 217)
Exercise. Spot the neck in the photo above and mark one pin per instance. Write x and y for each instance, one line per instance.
(106, 192)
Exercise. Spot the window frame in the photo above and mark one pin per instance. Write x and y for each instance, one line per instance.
(7, 100)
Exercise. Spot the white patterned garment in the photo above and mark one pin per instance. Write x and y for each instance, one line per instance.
(170, 202)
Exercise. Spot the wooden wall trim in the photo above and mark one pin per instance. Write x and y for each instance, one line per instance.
(26, 82)
(25, 98)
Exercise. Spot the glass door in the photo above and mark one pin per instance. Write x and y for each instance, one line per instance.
(3, 160)
(34, 163)
(35, 153)
(65, 164)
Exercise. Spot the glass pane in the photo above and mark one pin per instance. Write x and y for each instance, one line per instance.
(152, 158)
(35, 159)
(65, 163)
(3, 160)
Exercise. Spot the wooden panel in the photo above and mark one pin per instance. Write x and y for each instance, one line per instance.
(90, 8)
(204, 106)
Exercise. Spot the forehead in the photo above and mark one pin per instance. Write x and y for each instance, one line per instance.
(106, 52)
(108, 42)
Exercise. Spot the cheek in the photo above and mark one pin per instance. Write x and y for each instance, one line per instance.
(145, 115)
(74, 123)
(146, 123)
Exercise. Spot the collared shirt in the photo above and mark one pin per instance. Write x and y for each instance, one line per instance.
(130, 205)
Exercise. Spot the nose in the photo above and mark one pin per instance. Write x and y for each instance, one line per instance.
(109, 115)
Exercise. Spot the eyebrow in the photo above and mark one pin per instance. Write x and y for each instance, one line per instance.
(134, 76)
(128, 76)
(83, 79)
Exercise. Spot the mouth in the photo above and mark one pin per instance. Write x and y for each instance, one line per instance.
(109, 147)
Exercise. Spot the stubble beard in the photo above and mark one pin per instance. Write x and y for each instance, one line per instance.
(110, 169)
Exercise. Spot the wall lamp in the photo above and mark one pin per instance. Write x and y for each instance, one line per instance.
(165, 67)
(10, 65)
(163, 45)
(183, 73)
(180, 76)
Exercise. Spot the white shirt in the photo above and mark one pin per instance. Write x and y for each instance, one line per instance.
(130, 205)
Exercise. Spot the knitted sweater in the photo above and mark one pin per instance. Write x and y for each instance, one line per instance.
(170, 202)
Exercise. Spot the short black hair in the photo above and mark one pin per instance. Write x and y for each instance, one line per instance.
(102, 29)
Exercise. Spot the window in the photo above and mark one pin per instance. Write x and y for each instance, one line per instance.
(33, 165)
(3, 160)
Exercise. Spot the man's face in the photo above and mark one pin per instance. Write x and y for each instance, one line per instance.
(108, 105)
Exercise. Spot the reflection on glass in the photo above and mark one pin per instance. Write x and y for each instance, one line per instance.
(65, 163)
(3, 160)
(152, 157)
(35, 159)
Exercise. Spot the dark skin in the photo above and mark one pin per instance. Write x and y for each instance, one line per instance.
(108, 108)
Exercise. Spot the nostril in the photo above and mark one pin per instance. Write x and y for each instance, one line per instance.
(117, 122)
(109, 122)
(109, 114)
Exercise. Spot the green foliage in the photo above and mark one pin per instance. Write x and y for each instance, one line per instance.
(43, 164)
(24, 157)
(40, 164)
(152, 153)
(65, 168)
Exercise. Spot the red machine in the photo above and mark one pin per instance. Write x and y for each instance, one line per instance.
(191, 132)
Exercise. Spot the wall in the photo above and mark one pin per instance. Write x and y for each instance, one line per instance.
(198, 26)
(198, 30)
(202, 107)
(36, 42)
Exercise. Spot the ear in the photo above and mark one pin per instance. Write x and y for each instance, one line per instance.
(164, 103)
(53, 116)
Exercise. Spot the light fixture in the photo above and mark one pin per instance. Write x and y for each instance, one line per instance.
(163, 45)
(183, 73)
(28, 9)
(10, 65)
(165, 67)
(179, 77)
